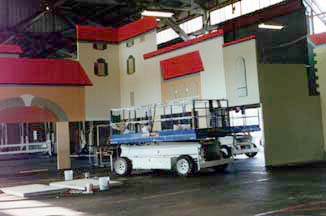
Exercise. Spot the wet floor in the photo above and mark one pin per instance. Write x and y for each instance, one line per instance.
(246, 188)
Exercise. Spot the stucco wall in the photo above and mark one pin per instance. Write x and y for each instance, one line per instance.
(320, 66)
(212, 78)
(105, 92)
(232, 55)
(145, 83)
(70, 99)
(292, 118)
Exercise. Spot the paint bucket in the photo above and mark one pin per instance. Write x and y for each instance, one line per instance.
(104, 183)
(87, 175)
(69, 175)
(89, 188)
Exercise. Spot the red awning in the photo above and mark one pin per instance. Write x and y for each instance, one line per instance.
(318, 39)
(182, 65)
(116, 35)
(24, 71)
(11, 49)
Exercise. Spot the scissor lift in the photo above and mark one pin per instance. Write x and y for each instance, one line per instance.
(181, 136)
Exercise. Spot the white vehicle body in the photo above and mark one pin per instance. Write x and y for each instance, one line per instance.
(164, 155)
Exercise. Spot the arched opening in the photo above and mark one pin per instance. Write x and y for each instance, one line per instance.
(241, 71)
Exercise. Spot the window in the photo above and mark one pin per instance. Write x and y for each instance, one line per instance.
(241, 72)
(166, 35)
(101, 68)
(100, 46)
(188, 27)
(192, 25)
(131, 68)
(130, 43)
(238, 9)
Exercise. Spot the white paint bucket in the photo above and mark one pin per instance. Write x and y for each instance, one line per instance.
(69, 175)
(89, 188)
(104, 183)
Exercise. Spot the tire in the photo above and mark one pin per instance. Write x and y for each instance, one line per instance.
(123, 167)
(228, 149)
(185, 166)
(252, 154)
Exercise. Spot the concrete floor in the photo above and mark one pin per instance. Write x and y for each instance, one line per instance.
(244, 189)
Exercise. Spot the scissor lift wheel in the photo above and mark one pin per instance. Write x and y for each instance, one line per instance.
(122, 166)
(252, 154)
(185, 166)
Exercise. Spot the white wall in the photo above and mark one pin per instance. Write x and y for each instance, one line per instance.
(321, 73)
(144, 82)
(232, 54)
(212, 78)
(105, 92)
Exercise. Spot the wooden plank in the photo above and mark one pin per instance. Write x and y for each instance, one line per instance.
(63, 145)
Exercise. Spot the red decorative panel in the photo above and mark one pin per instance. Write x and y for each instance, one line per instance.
(24, 71)
(182, 65)
(239, 40)
(11, 49)
(318, 39)
(184, 44)
(116, 35)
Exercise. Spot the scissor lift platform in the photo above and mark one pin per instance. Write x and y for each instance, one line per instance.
(179, 135)
(193, 127)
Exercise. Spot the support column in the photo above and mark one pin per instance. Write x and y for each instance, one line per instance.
(63, 145)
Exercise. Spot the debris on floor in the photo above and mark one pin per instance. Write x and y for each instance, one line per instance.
(33, 190)
(78, 186)
(81, 184)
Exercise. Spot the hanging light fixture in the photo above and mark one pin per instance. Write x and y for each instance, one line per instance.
(163, 14)
(270, 26)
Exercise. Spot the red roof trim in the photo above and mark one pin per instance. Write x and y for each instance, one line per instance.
(239, 40)
(136, 28)
(201, 38)
(318, 39)
(96, 33)
(11, 49)
(24, 71)
(182, 65)
(116, 35)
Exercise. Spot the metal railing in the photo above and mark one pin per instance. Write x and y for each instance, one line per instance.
(38, 147)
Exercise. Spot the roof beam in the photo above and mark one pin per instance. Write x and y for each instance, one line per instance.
(174, 25)
(31, 20)
(23, 25)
